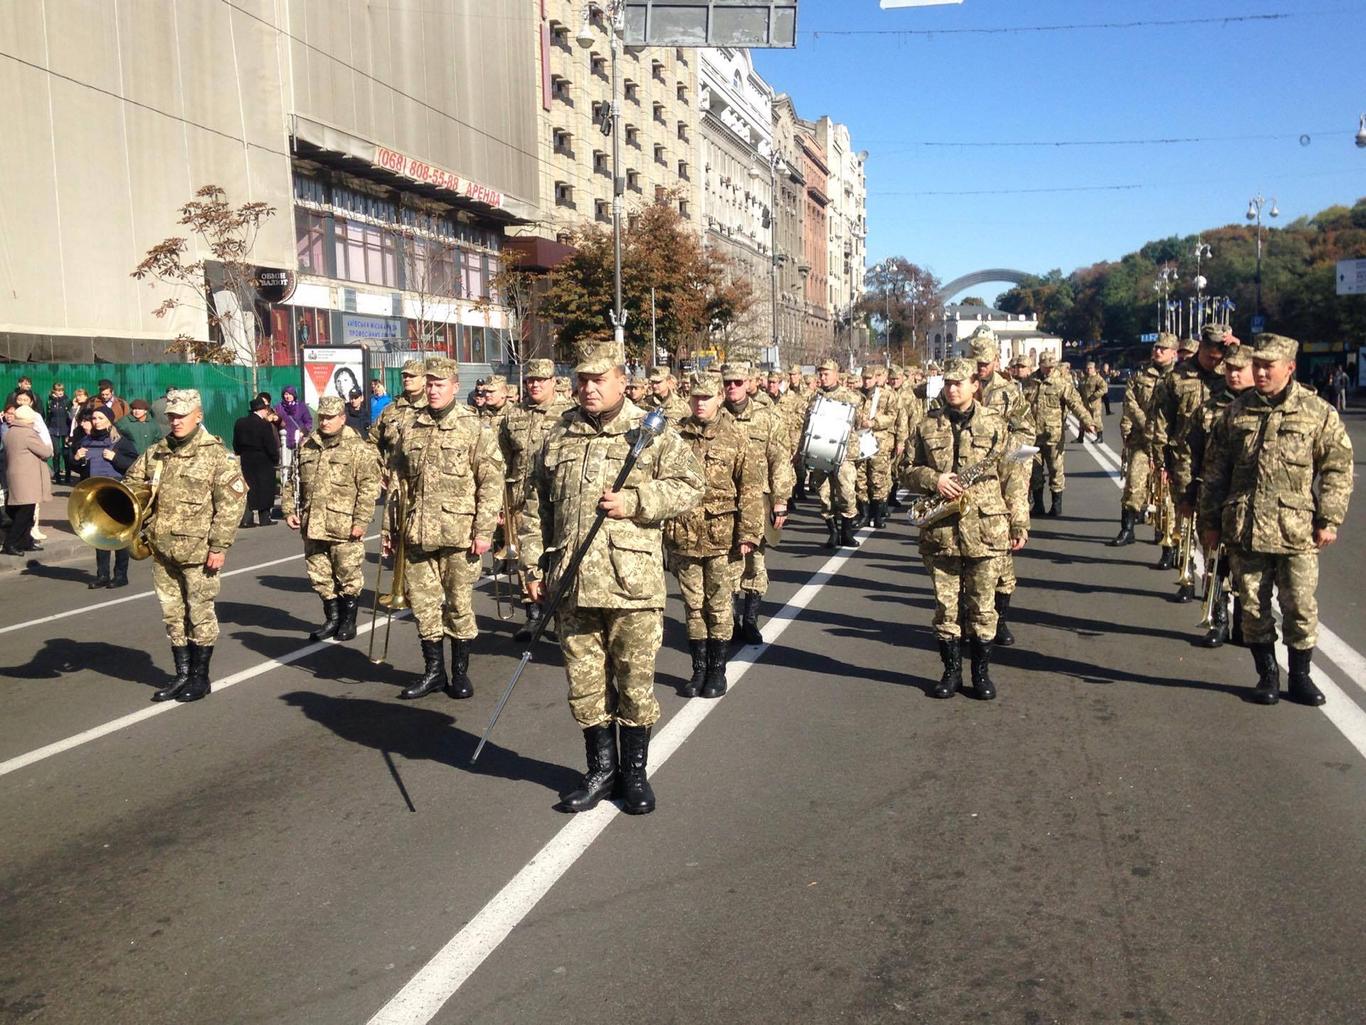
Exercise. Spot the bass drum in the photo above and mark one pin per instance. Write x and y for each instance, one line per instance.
(826, 436)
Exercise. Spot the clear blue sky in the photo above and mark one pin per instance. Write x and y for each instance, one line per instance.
(1305, 75)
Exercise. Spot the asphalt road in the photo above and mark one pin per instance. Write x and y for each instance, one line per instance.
(1120, 837)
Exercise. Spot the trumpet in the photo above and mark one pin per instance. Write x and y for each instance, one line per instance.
(1185, 578)
(395, 598)
(1167, 526)
(1214, 586)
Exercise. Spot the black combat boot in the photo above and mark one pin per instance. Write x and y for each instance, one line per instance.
(861, 514)
(198, 687)
(1100, 436)
(1218, 626)
(247, 521)
(636, 796)
(1003, 635)
(433, 674)
(346, 616)
(1168, 559)
(330, 621)
(981, 669)
(1126, 530)
(1235, 626)
(698, 648)
(879, 514)
(714, 683)
(847, 530)
(832, 527)
(533, 620)
(1184, 594)
(893, 501)
(601, 777)
(459, 686)
(1268, 689)
(120, 576)
(749, 618)
(181, 655)
(263, 518)
(1056, 508)
(101, 580)
(1299, 683)
(951, 654)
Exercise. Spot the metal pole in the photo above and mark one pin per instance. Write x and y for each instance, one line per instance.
(1259, 260)
(773, 247)
(618, 190)
(654, 338)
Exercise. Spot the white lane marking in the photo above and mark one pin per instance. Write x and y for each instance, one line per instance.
(1341, 710)
(145, 594)
(440, 978)
(142, 714)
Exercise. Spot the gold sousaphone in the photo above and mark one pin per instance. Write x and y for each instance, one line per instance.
(108, 514)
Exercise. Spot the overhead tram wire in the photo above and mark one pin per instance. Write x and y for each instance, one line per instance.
(1229, 19)
(1118, 187)
(905, 145)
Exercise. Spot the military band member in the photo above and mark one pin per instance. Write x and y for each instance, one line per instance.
(523, 433)
(664, 395)
(773, 464)
(708, 544)
(200, 495)
(611, 621)
(837, 490)
(755, 385)
(1093, 389)
(339, 476)
(872, 476)
(496, 405)
(398, 414)
(637, 389)
(1051, 396)
(793, 407)
(1135, 431)
(962, 552)
(453, 472)
(1259, 498)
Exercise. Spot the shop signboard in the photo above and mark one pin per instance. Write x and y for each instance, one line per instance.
(357, 328)
(333, 370)
(749, 23)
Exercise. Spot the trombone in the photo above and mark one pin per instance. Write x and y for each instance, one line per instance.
(504, 599)
(1185, 578)
(395, 598)
(1214, 586)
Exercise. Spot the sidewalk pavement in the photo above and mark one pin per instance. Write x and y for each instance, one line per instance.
(62, 544)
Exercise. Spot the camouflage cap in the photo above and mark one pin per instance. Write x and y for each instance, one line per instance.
(599, 358)
(496, 381)
(931, 367)
(1165, 340)
(896, 370)
(984, 345)
(1020, 360)
(330, 405)
(828, 364)
(442, 367)
(1238, 356)
(181, 401)
(414, 368)
(775, 375)
(1272, 348)
(1048, 358)
(870, 372)
(1214, 334)
(538, 369)
(958, 369)
(704, 384)
(636, 381)
(735, 372)
(659, 374)
(796, 368)
(1188, 346)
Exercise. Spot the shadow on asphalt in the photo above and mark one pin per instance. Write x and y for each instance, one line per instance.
(60, 656)
(39, 569)
(422, 734)
(1090, 672)
(297, 584)
(252, 614)
(912, 640)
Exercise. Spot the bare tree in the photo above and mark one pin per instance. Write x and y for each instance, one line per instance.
(515, 290)
(431, 275)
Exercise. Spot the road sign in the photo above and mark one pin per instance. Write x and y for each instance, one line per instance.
(1258, 323)
(1352, 277)
(750, 23)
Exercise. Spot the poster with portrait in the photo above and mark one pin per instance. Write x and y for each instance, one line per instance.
(333, 370)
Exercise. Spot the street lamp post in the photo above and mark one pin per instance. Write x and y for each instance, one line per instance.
(1254, 213)
(1166, 278)
(1202, 252)
(615, 17)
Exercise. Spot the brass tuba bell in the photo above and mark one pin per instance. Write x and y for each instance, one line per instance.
(109, 514)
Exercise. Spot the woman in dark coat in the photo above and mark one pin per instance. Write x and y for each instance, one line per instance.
(257, 444)
(104, 452)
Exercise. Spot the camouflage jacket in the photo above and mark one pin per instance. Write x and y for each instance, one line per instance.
(1049, 398)
(676, 407)
(453, 473)
(338, 484)
(1176, 401)
(911, 412)
(762, 398)
(523, 431)
(1092, 389)
(393, 418)
(1138, 400)
(997, 506)
(768, 449)
(732, 510)
(791, 406)
(1262, 462)
(624, 566)
(883, 425)
(200, 497)
(1186, 482)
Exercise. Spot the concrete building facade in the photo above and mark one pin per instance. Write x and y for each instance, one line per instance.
(817, 333)
(790, 208)
(1018, 332)
(846, 218)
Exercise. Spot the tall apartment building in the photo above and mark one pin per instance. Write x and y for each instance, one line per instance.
(659, 121)
(737, 180)
(396, 142)
(790, 207)
(817, 333)
(846, 218)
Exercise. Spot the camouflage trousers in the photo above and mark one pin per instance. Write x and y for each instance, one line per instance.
(1096, 407)
(966, 588)
(187, 595)
(1138, 476)
(335, 567)
(440, 589)
(751, 572)
(1295, 577)
(609, 657)
(707, 583)
(1050, 459)
(837, 490)
(873, 476)
(1006, 582)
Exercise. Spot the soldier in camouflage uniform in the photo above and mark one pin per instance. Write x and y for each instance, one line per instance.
(664, 395)
(1134, 430)
(611, 619)
(398, 414)
(339, 476)
(1176, 401)
(872, 476)
(1093, 388)
(1050, 395)
(637, 389)
(998, 392)
(793, 407)
(837, 491)
(1277, 478)
(772, 461)
(453, 471)
(755, 385)
(708, 544)
(200, 495)
(963, 551)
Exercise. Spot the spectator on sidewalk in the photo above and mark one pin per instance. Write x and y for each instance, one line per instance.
(379, 398)
(58, 421)
(257, 445)
(108, 453)
(296, 422)
(108, 398)
(25, 397)
(139, 426)
(357, 416)
(1343, 383)
(79, 432)
(25, 383)
(26, 478)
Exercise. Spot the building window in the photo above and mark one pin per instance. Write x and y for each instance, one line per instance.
(683, 169)
(659, 156)
(684, 208)
(598, 65)
(601, 113)
(659, 112)
(310, 237)
(633, 136)
(683, 130)
(661, 194)
(682, 92)
(559, 89)
(475, 277)
(559, 36)
(600, 162)
(657, 70)
(633, 92)
(680, 55)
(564, 194)
(311, 190)
(366, 253)
(562, 142)
(602, 210)
(633, 179)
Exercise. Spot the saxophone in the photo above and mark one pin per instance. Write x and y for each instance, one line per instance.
(928, 510)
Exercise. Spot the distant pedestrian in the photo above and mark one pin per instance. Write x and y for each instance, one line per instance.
(1343, 382)
(139, 426)
(357, 416)
(379, 398)
(26, 478)
(58, 421)
(257, 445)
(108, 453)
(107, 397)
